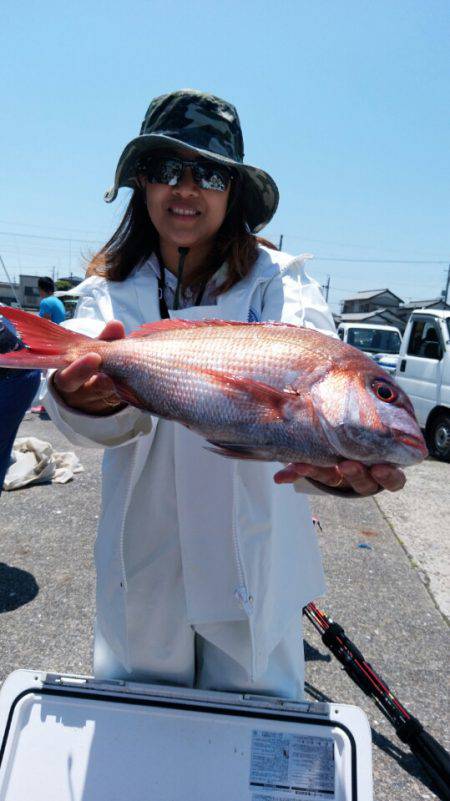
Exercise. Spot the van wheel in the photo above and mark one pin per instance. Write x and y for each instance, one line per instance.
(439, 437)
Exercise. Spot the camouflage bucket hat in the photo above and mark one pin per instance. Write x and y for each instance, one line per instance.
(210, 127)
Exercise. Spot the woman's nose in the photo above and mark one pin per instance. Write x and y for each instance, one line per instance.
(186, 184)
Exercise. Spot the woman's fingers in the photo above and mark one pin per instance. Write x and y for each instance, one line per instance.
(390, 477)
(357, 477)
(112, 330)
(83, 386)
(348, 475)
(72, 377)
(296, 470)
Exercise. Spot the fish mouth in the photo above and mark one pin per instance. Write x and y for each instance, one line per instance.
(411, 441)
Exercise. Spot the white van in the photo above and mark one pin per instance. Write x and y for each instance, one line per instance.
(423, 371)
(381, 342)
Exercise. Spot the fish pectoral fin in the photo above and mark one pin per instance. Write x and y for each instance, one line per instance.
(275, 402)
(232, 450)
(305, 380)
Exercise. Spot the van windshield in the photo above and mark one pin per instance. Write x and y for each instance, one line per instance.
(373, 340)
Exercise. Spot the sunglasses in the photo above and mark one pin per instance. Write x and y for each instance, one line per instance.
(169, 170)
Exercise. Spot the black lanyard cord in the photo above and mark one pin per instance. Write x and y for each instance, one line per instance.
(183, 253)
(163, 309)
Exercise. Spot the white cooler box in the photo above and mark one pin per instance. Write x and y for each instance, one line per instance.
(70, 738)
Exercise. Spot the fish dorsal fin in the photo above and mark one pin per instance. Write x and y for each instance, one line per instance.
(164, 326)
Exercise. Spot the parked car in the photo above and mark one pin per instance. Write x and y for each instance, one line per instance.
(423, 371)
(381, 342)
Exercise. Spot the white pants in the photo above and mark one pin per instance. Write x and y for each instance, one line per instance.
(188, 659)
(163, 646)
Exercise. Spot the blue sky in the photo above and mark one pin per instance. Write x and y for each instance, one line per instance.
(346, 104)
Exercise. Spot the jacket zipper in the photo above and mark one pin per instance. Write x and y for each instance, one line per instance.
(241, 592)
(125, 509)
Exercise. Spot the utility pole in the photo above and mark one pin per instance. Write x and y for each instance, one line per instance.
(326, 288)
(10, 283)
(445, 291)
(280, 242)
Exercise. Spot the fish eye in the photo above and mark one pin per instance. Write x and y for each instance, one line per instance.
(384, 391)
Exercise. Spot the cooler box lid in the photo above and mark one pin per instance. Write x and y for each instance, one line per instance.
(73, 738)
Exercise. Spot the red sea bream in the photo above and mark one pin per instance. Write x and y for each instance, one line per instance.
(267, 391)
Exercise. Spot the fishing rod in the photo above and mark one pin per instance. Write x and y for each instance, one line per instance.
(434, 758)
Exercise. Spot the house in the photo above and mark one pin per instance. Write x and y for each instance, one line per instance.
(377, 317)
(378, 306)
(28, 291)
(405, 309)
(7, 296)
(370, 300)
(381, 306)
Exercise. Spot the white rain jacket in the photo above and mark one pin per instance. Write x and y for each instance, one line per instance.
(276, 560)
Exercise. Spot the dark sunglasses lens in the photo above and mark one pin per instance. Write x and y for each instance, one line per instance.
(209, 176)
(164, 171)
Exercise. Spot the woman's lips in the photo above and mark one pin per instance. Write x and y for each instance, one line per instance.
(180, 211)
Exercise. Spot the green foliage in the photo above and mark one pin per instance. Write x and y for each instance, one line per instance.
(62, 285)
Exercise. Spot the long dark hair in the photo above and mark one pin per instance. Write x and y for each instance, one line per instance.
(136, 238)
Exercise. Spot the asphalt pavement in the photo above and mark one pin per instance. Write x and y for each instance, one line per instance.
(386, 561)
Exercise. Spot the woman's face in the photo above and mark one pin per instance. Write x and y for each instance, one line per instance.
(185, 215)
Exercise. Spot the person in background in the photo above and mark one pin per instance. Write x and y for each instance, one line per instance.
(17, 390)
(50, 307)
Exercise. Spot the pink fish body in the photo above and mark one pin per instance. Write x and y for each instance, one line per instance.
(267, 391)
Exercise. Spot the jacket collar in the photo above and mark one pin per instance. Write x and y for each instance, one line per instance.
(230, 305)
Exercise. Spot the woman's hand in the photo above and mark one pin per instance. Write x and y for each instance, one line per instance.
(82, 386)
(347, 475)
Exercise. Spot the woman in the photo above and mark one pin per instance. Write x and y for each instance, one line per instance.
(203, 563)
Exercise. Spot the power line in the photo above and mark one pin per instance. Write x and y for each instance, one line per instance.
(57, 227)
(425, 287)
(344, 244)
(316, 258)
(379, 261)
(52, 238)
(105, 234)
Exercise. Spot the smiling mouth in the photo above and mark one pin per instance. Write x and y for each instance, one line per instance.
(177, 211)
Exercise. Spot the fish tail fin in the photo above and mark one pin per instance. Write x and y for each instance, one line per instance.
(47, 344)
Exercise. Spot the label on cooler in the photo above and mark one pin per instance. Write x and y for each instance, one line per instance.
(289, 766)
